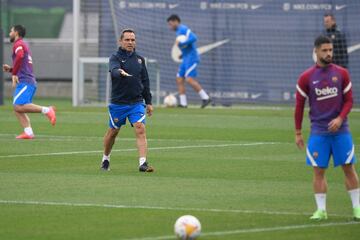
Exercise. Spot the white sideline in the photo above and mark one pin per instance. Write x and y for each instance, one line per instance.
(44, 137)
(215, 210)
(134, 149)
(254, 230)
(235, 107)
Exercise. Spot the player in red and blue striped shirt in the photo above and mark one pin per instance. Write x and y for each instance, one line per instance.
(24, 83)
(327, 87)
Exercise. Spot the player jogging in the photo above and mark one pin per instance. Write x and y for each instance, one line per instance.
(328, 89)
(130, 89)
(190, 61)
(24, 83)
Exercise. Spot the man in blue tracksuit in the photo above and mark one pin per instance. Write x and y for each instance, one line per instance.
(130, 98)
(186, 41)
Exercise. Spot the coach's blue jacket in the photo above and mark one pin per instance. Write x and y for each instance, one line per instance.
(129, 89)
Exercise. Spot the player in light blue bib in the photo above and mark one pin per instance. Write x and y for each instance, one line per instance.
(186, 41)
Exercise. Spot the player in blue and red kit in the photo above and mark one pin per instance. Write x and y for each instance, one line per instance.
(327, 87)
(24, 83)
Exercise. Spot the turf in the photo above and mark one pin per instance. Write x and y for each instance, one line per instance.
(237, 170)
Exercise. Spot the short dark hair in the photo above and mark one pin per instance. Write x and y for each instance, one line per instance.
(329, 14)
(20, 29)
(320, 40)
(126, 30)
(173, 17)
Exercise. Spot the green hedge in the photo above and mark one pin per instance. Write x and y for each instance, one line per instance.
(39, 23)
(4, 20)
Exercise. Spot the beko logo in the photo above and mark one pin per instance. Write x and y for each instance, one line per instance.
(325, 93)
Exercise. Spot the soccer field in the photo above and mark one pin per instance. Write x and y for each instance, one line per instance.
(237, 170)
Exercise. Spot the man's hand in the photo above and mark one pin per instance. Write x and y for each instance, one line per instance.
(335, 124)
(123, 73)
(15, 80)
(149, 110)
(299, 140)
(6, 68)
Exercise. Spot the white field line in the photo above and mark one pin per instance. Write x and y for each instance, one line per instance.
(214, 210)
(244, 107)
(37, 139)
(49, 138)
(92, 138)
(44, 136)
(134, 149)
(255, 230)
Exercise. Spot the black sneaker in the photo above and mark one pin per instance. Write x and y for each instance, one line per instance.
(146, 168)
(105, 165)
(181, 106)
(205, 103)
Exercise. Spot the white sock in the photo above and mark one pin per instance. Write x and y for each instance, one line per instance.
(355, 197)
(106, 157)
(183, 100)
(203, 95)
(320, 199)
(29, 131)
(45, 110)
(142, 160)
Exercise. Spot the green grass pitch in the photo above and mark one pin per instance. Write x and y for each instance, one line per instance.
(237, 170)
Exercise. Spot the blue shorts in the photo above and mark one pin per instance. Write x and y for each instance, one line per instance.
(188, 69)
(321, 147)
(119, 113)
(23, 94)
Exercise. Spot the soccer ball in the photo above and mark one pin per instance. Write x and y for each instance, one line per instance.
(181, 38)
(187, 228)
(170, 101)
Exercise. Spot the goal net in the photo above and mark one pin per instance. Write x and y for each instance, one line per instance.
(95, 84)
(251, 51)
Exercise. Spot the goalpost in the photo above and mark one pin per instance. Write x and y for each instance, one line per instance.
(76, 52)
(94, 82)
(93, 62)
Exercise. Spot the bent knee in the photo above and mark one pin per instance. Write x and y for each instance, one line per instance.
(190, 80)
(319, 172)
(112, 132)
(349, 169)
(180, 80)
(139, 128)
(17, 108)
